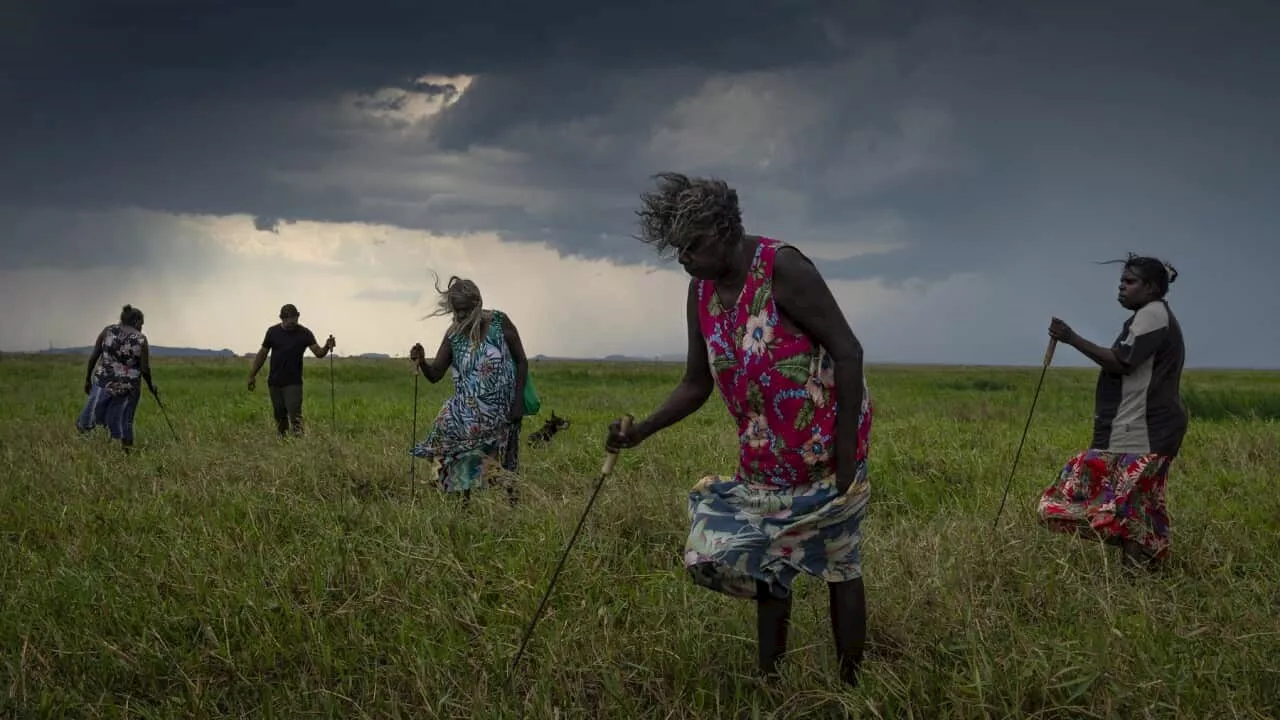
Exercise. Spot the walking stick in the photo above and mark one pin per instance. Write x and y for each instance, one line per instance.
(609, 462)
(163, 413)
(1048, 359)
(413, 464)
(333, 408)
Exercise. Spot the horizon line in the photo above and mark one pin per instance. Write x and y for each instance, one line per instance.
(666, 358)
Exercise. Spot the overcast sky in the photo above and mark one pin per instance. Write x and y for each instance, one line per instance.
(957, 172)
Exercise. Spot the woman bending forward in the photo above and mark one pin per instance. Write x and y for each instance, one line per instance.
(764, 328)
(119, 363)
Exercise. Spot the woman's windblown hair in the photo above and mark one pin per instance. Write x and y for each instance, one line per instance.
(1153, 270)
(461, 300)
(682, 208)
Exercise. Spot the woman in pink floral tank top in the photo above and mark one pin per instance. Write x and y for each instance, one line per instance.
(765, 330)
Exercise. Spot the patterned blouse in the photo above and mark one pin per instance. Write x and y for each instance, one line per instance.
(119, 369)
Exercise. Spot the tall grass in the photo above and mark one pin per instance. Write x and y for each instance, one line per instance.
(232, 574)
(1233, 403)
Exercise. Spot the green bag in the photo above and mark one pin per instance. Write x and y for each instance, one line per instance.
(531, 402)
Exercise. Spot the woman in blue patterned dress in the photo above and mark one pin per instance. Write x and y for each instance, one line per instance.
(120, 360)
(476, 436)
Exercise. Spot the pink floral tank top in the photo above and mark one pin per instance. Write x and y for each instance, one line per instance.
(778, 385)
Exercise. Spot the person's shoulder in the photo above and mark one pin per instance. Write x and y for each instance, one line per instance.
(1171, 317)
(792, 262)
(1155, 307)
(782, 250)
(1152, 316)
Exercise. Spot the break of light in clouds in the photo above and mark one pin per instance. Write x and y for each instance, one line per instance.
(370, 286)
(956, 172)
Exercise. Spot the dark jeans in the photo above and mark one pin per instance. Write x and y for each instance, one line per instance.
(114, 412)
(286, 402)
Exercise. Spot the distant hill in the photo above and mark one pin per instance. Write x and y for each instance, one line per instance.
(614, 358)
(636, 358)
(156, 350)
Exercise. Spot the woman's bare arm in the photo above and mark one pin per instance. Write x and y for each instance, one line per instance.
(435, 369)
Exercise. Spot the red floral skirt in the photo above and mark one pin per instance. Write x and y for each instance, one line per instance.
(1115, 496)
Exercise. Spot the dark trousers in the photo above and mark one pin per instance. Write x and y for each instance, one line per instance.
(113, 411)
(286, 402)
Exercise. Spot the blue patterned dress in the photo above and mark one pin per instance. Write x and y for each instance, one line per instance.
(472, 436)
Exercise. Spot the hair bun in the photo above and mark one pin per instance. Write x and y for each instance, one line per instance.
(128, 308)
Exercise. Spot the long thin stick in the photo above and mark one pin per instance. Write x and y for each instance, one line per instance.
(413, 465)
(1048, 359)
(164, 414)
(609, 461)
(333, 408)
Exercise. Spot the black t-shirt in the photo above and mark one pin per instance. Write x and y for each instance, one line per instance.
(1142, 411)
(287, 348)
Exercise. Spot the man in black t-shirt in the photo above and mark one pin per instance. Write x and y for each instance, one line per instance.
(286, 343)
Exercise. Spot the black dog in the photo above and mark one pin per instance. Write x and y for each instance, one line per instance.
(553, 425)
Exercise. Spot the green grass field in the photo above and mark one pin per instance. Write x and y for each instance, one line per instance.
(231, 574)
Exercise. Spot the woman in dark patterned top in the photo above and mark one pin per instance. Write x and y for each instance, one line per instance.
(1116, 488)
(120, 361)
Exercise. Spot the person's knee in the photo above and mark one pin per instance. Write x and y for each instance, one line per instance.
(293, 399)
(849, 585)
(762, 590)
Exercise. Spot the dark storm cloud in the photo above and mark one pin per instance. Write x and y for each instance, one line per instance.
(47, 238)
(267, 224)
(989, 134)
(192, 106)
(363, 44)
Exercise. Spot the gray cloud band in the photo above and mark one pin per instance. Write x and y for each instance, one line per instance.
(975, 135)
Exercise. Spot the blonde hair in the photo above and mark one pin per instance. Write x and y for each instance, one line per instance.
(461, 299)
